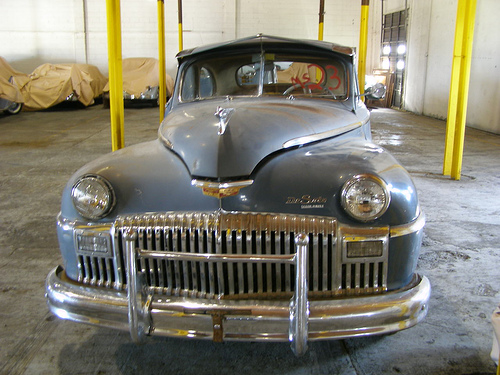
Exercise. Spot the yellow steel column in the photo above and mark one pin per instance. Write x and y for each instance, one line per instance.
(363, 38)
(459, 88)
(115, 74)
(179, 11)
(321, 19)
(161, 58)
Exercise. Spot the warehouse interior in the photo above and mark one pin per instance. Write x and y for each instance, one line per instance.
(41, 149)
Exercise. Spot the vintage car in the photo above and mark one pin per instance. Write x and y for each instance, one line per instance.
(263, 211)
(140, 82)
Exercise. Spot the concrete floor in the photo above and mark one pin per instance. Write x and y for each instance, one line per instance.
(460, 255)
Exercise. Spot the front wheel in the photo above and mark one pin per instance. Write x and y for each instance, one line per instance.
(14, 108)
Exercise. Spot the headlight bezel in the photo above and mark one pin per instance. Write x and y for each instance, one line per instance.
(360, 179)
(85, 208)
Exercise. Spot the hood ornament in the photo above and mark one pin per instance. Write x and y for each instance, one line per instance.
(224, 114)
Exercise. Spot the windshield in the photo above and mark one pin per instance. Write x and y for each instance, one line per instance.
(269, 74)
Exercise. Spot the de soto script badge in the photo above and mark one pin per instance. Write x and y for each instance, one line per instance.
(307, 201)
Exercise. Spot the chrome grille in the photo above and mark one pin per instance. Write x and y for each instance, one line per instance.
(245, 234)
(96, 271)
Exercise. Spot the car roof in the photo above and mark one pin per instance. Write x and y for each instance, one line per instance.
(261, 40)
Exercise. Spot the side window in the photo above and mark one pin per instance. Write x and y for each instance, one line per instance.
(206, 84)
(250, 74)
(197, 84)
(188, 85)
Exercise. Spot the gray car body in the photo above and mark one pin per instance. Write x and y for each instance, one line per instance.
(298, 153)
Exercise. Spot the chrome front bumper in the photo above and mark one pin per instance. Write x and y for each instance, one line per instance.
(142, 313)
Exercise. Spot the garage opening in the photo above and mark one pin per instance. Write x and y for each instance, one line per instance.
(394, 51)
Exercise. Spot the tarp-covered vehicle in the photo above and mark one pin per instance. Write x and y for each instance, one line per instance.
(51, 84)
(141, 82)
(11, 99)
(263, 211)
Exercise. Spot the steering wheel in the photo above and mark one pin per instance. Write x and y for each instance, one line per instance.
(306, 89)
(292, 88)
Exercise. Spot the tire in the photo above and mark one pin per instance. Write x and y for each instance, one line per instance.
(105, 102)
(14, 108)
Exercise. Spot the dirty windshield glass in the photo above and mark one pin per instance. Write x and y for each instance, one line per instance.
(265, 75)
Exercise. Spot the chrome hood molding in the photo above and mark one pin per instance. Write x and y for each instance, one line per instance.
(252, 130)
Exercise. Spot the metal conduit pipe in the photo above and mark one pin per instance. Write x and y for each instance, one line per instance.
(363, 40)
(321, 19)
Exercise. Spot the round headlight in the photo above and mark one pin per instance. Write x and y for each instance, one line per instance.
(92, 197)
(365, 197)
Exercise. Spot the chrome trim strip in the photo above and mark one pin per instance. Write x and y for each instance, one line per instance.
(328, 134)
(412, 227)
(215, 258)
(67, 224)
(167, 143)
(221, 185)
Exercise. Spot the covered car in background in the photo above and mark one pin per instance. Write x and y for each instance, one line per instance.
(141, 82)
(51, 84)
(263, 211)
(11, 99)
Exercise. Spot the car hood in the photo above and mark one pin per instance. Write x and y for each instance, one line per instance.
(222, 139)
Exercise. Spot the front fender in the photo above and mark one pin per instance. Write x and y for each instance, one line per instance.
(309, 179)
(146, 177)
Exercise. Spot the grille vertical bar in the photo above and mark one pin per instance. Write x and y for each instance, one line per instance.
(237, 246)
(96, 271)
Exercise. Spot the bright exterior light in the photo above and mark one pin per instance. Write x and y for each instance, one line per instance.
(401, 49)
(400, 65)
(386, 50)
(385, 63)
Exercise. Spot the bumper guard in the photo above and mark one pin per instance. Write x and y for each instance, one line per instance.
(142, 313)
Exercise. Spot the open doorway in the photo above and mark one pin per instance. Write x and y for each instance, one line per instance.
(394, 51)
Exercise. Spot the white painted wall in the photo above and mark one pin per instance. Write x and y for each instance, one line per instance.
(33, 32)
(484, 96)
(430, 52)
